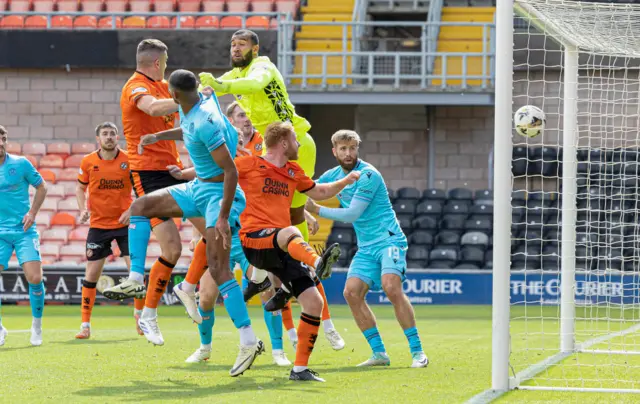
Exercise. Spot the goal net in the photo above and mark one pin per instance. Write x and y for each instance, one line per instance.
(575, 245)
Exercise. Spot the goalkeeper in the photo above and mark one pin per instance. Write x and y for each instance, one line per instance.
(259, 89)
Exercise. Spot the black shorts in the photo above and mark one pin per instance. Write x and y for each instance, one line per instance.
(99, 242)
(262, 251)
(145, 182)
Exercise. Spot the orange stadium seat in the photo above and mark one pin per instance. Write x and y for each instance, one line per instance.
(92, 6)
(63, 219)
(258, 22)
(19, 6)
(33, 160)
(189, 6)
(62, 21)
(80, 233)
(262, 6)
(116, 6)
(68, 174)
(69, 204)
(231, 21)
(107, 22)
(186, 21)
(134, 22)
(287, 6)
(164, 6)
(51, 161)
(83, 148)
(237, 6)
(60, 149)
(50, 204)
(37, 149)
(36, 22)
(140, 6)
(43, 6)
(43, 219)
(16, 148)
(158, 22)
(12, 21)
(48, 175)
(207, 22)
(212, 6)
(73, 160)
(68, 5)
(85, 21)
(55, 190)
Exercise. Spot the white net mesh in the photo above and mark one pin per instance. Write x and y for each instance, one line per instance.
(607, 252)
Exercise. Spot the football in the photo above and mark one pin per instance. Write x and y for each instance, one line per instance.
(529, 121)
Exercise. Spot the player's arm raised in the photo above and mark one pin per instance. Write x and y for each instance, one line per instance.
(320, 192)
(169, 134)
(152, 106)
(260, 75)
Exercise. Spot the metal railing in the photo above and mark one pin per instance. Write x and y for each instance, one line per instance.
(411, 68)
(434, 15)
(398, 5)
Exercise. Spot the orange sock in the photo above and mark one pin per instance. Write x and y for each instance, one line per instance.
(88, 300)
(301, 250)
(307, 335)
(287, 317)
(325, 309)
(138, 304)
(159, 277)
(198, 265)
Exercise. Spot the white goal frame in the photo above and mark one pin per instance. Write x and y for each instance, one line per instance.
(503, 379)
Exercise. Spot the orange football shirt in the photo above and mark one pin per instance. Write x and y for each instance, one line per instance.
(136, 123)
(269, 191)
(109, 188)
(254, 146)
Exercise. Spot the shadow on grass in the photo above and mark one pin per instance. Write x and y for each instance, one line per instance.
(3, 349)
(94, 341)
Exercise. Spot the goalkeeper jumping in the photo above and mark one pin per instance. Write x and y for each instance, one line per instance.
(259, 88)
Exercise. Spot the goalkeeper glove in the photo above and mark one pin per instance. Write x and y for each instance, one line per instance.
(208, 80)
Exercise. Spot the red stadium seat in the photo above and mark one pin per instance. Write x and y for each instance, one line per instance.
(12, 21)
(43, 6)
(69, 204)
(140, 6)
(48, 175)
(68, 6)
(287, 6)
(79, 233)
(55, 190)
(164, 6)
(50, 204)
(262, 6)
(158, 22)
(37, 149)
(231, 22)
(83, 148)
(51, 161)
(33, 160)
(107, 22)
(212, 6)
(63, 219)
(61, 21)
(73, 160)
(19, 6)
(207, 22)
(237, 6)
(85, 21)
(68, 174)
(134, 22)
(185, 22)
(92, 6)
(116, 6)
(36, 22)
(60, 149)
(16, 148)
(258, 22)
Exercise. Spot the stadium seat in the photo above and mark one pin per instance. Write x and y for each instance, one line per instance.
(35, 22)
(274, 24)
(187, 22)
(207, 22)
(421, 237)
(427, 223)
(342, 225)
(69, 187)
(189, 6)
(417, 264)
(154, 250)
(483, 195)
(262, 6)
(14, 148)
(212, 6)
(116, 6)
(34, 160)
(85, 21)
(61, 149)
(79, 233)
(164, 6)
(259, 22)
(237, 6)
(43, 219)
(408, 193)
(287, 6)
(74, 160)
(19, 6)
(51, 161)
(63, 219)
(392, 194)
(418, 252)
(479, 225)
(342, 236)
(434, 195)
(231, 21)
(405, 222)
(42, 6)
(458, 208)
(68, 6)
(58, 233)
(428, 207)
(55, 190)
(158, 22)
(68, 204)
(107, 22)
(83, 147)
(48, 175)
(134, 22)
(92, 6)
(467, 266)
(475, 238)
(460, 194)
(406, 206)
(73, 250)
(447, 238)
(62, 21)
(481, 210)
(12, 22)
(472, 255)
(50, 204)
(35, 149)
(50, 250)
(455, 223)
(68, 174)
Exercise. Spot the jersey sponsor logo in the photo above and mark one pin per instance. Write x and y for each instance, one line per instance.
(266, 232)
(124, 166)
(139, 90)
(111, 184)
(275, 187)
(12, 171)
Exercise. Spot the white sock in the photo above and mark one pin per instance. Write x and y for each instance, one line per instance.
(258, 275)
(247, 336)
(37, 322)
(86, 325)
(327, 325)
(317, 263)
(205, 347)
(149, 312)
(293, 334)
(299, 369)
(275, 352)
(188, 287)
(137, 312)
(134, 276)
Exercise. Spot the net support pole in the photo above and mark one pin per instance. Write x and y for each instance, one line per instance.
(503, 148)
(569, 187)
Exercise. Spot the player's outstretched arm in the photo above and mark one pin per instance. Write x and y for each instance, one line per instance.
(347, 215)
(152, 106)
(322, 192)
(169, 134)
(260, 75)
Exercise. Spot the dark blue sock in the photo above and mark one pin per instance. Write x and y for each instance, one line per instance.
(139, 234)
(234, 303)
(206, 328)
(36, 299)
(414, 339)
(273, 320)
(374, 339)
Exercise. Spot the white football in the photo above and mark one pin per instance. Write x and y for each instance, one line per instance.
(529, 121)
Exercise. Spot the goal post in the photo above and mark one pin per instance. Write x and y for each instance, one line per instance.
(566, 278)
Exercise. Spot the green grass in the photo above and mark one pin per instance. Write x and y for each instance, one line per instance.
(118, 366)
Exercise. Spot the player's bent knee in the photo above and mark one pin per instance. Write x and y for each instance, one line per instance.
(351, 295)
(32, 271)
(138, 206)
(285, 235)
(392, 286)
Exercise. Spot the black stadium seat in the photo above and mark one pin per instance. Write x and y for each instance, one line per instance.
(408, 193)
(481, 210)
(460, 194)
(392, 194)
(405, 221)
(447, 238)
(417, 264)
(341, 236)
(483, 195)
(418, 252)
(472, 255)
(452, 222)
(425, 222)
(407, 206)
(456, 208)
(444, 253)
(467, 266)
(434, 194)
(342, 225)
(429, 208)
(480, 225)
(421, 237)
(475, 238)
